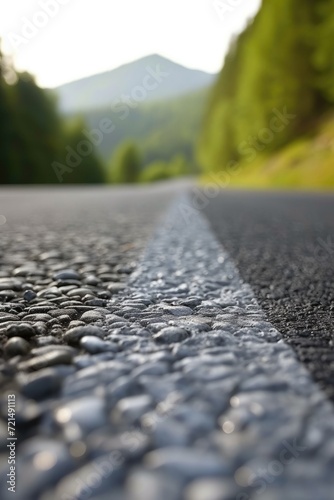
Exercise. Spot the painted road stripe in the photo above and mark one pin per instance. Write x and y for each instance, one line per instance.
(278, 427)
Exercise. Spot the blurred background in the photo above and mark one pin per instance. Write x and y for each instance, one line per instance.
(235, 92)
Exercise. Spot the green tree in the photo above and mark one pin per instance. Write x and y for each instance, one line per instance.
(6, 126)
(125, 165)
(88, 168)
(282, 61)
(155, 171)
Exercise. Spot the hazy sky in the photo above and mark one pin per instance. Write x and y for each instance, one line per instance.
(71, 39)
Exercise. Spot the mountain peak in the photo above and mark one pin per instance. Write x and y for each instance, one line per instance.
(101, 90)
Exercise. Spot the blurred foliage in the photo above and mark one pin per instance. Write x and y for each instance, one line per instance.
(307, 162)
(90, 169)
(161, 129)
(33, 136)
(125, 164)
(161, 170)
(281, 65)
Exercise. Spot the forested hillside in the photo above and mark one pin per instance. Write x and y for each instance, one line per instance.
(161, 129)
(34, 141)
(276, 86)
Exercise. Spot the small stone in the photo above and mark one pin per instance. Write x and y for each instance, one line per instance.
(116, 287)
(91, 280)
(5, 318)
(158, 368)
(23, 330)
(87, 413)
(29, 295)
(56, 357)
(74, 335)
(91, 316)
(80, 292)
(41, 384)
(10, 284)
(212, 489)
(66, 274)
(131, 409)
(171, 335)
(38, 317)
(94, 345)
(41, 350)
(42, 462)
(178, 310)
(16, 346)
(46, 340)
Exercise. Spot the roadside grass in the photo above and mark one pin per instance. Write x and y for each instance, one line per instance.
(307, 163)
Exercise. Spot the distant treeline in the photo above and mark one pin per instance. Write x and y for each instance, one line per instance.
(34, 141)
(38, 146)
(277, 80)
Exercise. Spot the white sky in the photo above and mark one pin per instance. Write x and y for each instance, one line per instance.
(90, 36)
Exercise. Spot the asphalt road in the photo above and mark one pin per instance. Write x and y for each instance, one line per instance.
(283, 246)
(122, 316)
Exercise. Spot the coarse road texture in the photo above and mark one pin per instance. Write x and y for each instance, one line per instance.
(283, 246)
(142, 365)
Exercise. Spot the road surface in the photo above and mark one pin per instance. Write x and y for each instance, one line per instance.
(154, 350)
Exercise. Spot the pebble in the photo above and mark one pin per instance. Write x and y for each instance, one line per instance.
(92, 280)
(23, 330)
(42, 384)
(55, 357)
(171, 334)
(116, 287)
(74, 335)
(178, 310)
(87, 413)
(79, 292)
(66, 274)
(10, 284)
(38, 317)
(29, 295)
(159, 368)
(16, 346)
(94, 345)
(131, 409)
(46, 340)
(7, 317)
(91, 316)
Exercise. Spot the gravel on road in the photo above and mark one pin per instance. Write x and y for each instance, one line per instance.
(176, 387)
